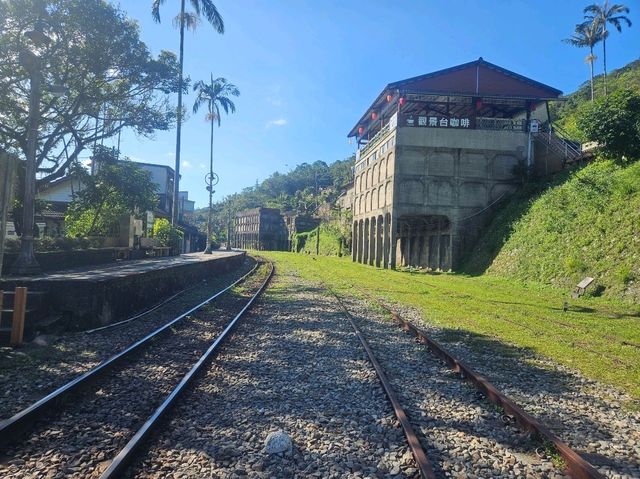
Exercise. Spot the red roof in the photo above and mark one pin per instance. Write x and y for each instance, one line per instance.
(477, 78)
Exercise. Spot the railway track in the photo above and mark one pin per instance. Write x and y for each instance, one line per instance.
(547, 443)
(30, 373)
(79, 428)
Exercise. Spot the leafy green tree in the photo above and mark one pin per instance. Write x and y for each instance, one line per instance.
(586, 35)
(614, 122)
(186, 20)
(166, 234)
(119, 188)
(112, 81)
(216, 95)
(602, 15)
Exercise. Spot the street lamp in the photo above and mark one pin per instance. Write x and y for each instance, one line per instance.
(26, 264)
(211, 180)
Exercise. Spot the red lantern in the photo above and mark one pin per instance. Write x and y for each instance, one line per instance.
(374, 115)
(533, 107)
(389, 98)
(478, 104)
(360, 130)
(401, 101)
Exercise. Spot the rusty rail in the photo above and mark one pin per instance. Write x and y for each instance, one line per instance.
(576, 465)
(423, 463)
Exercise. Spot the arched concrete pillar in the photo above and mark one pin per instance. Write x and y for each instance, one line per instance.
(365, 246)
(354, 241)
(360, 240)
(379, 240)
(393, 242)
(372, 240)
(386, 241)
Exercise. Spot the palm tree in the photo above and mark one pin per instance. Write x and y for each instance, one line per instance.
(188, 20)
(586, 35)
(216, 95)
(601, 15)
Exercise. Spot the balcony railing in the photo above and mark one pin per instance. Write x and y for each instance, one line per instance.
(509, 124)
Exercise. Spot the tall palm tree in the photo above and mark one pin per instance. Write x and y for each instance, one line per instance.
(601, 15)
(186, 20)
(216, 95)
(586, 35)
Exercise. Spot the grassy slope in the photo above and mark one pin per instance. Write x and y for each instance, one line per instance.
(588, 225)
(589, 337)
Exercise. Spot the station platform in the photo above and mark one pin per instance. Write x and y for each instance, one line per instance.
(88, 297)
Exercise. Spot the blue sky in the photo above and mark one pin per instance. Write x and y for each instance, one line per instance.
(307, 70)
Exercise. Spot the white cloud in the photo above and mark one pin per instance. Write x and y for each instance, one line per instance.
(202, 166)
(186, 164)
(278, 122)
(275, 101)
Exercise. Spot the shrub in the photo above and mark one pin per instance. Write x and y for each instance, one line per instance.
(166, 234)
(614, 122)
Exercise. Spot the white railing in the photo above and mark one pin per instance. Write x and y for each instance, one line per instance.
(509, 124)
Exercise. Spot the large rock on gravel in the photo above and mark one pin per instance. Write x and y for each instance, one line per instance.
(277, 442)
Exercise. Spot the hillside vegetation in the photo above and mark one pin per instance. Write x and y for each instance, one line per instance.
(565, 113)
(587, 225)
(579, 223)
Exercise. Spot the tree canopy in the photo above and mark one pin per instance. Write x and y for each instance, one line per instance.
(614, 123)
(294, 191)
(119, 187)
(112, 81)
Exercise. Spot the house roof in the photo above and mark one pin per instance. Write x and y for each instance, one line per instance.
(478, 78)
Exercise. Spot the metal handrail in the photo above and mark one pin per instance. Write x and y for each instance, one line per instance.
(375, 141)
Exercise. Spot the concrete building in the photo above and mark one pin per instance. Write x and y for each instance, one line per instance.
(261, 229)
(437, 153)
(60, 193)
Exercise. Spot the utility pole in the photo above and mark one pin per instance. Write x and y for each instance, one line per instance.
(319, 220)
(229, 225)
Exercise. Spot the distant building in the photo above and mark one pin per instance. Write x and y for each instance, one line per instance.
(437, 153)
(261, 229)
(298, 224)
(60, 193)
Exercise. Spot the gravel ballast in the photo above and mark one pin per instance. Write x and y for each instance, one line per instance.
(96, 424)
(297, 366)
(592, 418)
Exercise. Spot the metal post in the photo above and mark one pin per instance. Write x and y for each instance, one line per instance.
(26, 263)
(229, 228)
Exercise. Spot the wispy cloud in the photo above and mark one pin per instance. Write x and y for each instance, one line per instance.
(275, 101)
(278, 122)
(202, 166)
(186, 164)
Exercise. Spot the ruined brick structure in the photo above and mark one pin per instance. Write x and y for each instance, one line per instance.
(261, 229)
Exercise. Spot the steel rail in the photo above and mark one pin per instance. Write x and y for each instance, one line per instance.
(19, 423)
(576, 465)
(127, 454)
(423, 463)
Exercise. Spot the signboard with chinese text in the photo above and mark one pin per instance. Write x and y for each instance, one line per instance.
(431, 121)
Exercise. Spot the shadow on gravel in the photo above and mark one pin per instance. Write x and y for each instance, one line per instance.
(295, 365)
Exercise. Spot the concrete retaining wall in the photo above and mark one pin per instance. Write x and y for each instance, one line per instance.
(87, 303)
